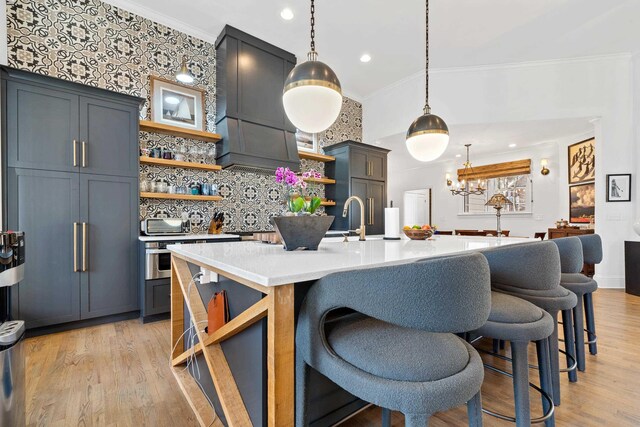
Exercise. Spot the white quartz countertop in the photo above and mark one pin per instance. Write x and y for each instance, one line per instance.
(271, 265)
(187, 237)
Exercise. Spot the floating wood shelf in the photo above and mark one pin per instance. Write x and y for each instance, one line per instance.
(149, 195)
(323, 180)
(178, 164)
(150, 126)
(316, 156)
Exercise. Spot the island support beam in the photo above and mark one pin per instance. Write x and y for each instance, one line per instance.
(278, 307)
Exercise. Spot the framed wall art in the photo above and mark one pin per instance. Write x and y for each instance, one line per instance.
(176, 104)
(582, 203)
(307, 141)
(582, 161)
(619, 188)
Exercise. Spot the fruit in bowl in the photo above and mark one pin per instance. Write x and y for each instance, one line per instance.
(418, 232)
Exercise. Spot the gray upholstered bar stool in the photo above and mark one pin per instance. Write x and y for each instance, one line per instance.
(538, 282)
(401, 354)
(572, 261)
(584, 287)
(520, 322)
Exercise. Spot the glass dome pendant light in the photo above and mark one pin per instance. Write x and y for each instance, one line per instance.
(428, 135)
(312, 95)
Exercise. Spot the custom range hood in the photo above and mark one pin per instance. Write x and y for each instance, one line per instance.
(256, 132)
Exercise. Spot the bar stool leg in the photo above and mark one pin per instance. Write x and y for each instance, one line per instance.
(554, 358)
(544, 368)
(386, 417)
(569, 343)
(578, 327)
(521, 382)
(591, 323)
(302, 379)
(474, 411)
(416, 420)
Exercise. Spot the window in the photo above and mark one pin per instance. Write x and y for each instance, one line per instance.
(516, 188)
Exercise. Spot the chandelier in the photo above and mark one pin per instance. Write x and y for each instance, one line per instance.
(467, 185)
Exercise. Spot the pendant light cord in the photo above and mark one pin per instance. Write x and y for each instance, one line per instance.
(427, 108)
(313, 26)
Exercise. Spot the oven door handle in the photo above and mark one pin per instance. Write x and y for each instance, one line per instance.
(157, 251)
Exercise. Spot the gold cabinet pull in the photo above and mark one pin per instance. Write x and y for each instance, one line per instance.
(371, 173)
(75, 247)
(84, 154)
(373, 215)
(84, 246)
(75, 153)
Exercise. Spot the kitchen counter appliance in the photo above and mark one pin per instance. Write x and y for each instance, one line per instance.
(12, 397)
(165, 226)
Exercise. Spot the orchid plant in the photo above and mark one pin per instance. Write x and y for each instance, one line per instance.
(294, 183)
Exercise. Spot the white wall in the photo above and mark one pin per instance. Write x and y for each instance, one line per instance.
(547, 200)
(591, 87)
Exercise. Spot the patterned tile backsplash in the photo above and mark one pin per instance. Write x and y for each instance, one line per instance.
(97, 44)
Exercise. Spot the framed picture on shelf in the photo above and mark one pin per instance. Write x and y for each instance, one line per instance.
(176, 104)
(307, 141)
(582, 161)
(619, 187)
(582, 203)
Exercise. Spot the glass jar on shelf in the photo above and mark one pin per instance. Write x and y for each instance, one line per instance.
(144, 183)
(193, 154)
(181, 153)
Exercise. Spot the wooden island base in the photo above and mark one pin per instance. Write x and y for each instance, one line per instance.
(277, 306)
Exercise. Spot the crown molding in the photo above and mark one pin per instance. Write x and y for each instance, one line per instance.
(505, 66)
(163, 19)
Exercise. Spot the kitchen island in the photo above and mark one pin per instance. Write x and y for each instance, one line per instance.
(267, 285)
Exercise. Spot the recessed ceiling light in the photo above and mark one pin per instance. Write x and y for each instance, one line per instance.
(458, 155)
(365, 58)
(513, 145)
(286, 14)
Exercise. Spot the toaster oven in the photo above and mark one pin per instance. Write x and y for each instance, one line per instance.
(165, 226)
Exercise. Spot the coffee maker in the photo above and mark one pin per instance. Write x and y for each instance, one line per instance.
(12, 379)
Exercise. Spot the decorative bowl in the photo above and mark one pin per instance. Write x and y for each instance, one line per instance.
(415, 234)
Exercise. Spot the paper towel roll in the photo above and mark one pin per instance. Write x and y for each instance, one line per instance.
(391, 223)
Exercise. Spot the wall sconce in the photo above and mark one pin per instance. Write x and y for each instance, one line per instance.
(545, 171)
(183, 75)
(449, 182)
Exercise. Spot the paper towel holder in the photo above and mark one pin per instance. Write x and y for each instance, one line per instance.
(387, 232)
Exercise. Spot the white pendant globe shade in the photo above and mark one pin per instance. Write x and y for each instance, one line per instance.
(427, 146)
(312, 109)
(312, 96)
(427, 137)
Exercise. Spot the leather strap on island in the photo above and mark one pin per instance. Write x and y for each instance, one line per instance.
(518, 167)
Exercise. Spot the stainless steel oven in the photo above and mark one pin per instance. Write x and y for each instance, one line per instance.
(157, 260)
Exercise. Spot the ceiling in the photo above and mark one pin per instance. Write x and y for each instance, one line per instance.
(491, 138)
(463, 32)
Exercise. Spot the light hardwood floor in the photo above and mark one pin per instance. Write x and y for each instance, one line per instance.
(118, 375)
